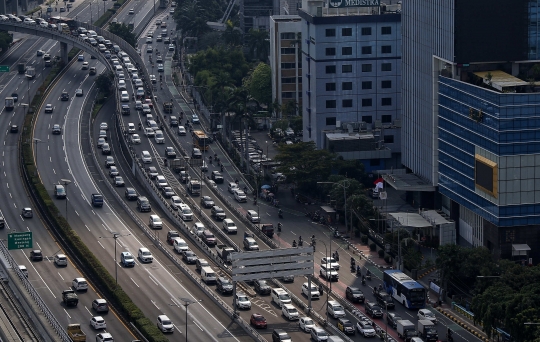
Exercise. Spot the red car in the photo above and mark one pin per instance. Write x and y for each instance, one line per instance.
(258, 321)
(171, 234)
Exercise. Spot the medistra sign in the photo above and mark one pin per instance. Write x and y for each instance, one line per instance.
(353, 3)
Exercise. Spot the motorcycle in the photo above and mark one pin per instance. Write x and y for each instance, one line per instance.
(368, 275)
(359, 272)
(279, 227)
(364, 281)
(294, 243)
(336, 256)
(221, 167)
(336, 233)
(353, 268)
(300, 243)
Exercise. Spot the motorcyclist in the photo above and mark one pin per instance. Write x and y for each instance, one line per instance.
(358, 270)
(140, 126)
(221, 167)
(279, 226)
(245, 189)
(280, 213)
(294, 243)
(300, 239)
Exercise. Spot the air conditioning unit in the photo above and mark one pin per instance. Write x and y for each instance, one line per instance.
(378, 124)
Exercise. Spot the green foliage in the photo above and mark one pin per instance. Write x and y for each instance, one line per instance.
(212, 39)
(258, 43)
(259, 84)
(105, 17)
(5, 40)
(412, 257)
(124, 32)
(192, 16)
(372, 246)
(232, 35)
(104, 82)
(381, 253)
(290, 108)
(388, 259)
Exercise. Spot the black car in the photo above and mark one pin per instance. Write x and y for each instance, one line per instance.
(15, 97)
(217, 177)
(189, 257)
(354, 294)
(131, 194)
(345, 326)
(224, 285)
(14, 129)
(171, 234)
(64, 96)
(392, 319)
(288, 279)
(36, 255)
(374, 310)
(207, 202)
(262, 287)
(170, 152)
(168, 192)
(218, 213)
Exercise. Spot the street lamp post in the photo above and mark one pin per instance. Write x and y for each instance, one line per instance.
(66, 182)
(344, 186)
(186, 304)
(115, 237)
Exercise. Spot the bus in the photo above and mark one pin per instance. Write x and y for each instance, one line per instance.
(200, 140)
(404, 289)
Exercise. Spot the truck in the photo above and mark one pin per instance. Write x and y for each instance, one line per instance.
(63, 27)
(179, 164)
(47, 60)
(383, 298)
(30, 72)
(223, 251)
(75, 332)
(406, 329)
(69, 297)
(427, 331)
(21, 67)
(168, 107)
(10, 103)
(194, 187)
(266, 228)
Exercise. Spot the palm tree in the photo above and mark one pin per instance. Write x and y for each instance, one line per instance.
(259, 44)
(232, 35)
(192, 19)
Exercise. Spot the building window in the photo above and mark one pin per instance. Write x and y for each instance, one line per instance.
(287, 80)
(288, 35)
(330, 69)
(330, 32)
(346, 86)
(288, 65)
(366, 67)
(346, 51)
(287, 95)
(330, 51)
(346, 32)
(386, 30)
(386, 84)
(386, 49)
(288, 51)
(375, 162)
(388, 139)
(366, 85)
(386, 101)
(366, 50)
(366, 31)
(330, 87)
(330, 103)
(346, 68)
(386, 67)
(386, 118)
(367, 119)
(346, 103)
(367, 102)
(331, 121)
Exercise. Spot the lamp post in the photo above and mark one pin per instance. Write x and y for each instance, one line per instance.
(344, 186)
(115, 237)
(186, 304)
(66, 182)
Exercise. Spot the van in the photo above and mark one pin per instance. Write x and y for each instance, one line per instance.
(143, 204)
(250, 244)
(232, 186)
(59, 191)
(97, 200)
(280, 296)
(252, 216)
(208, 275)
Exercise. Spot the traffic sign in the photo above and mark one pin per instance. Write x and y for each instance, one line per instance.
(4, 68)
(20, 240)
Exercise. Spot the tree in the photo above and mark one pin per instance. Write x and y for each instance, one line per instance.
(260, 84)
(232, 35)
(104, 82)
(5, 40)
(290, 108)
(193, 15)
(124, 32)
(258, 43)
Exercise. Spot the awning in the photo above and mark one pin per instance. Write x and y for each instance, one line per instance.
(520, 249)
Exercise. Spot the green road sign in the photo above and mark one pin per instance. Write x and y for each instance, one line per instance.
(20, 240)
(4, 68)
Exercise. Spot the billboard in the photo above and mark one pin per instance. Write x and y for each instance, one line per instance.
(353, 3)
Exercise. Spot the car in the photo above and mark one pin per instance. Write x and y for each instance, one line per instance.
(119, 181)
(146, 109)
(100, 142)
(64, 96)
(103, 126)
(105, 149)
(140, 91)
(165, 324)
(131, 194)
(15, 97)
(27, 212)
(196, 154)
(49, 108)
(231, 187)
(240, 196)
(306, 324)
(152, 77)
(425, 314)
(40, 53)
(224, 285)
(365, 328)
(242, 301)
(85, 66)
(60, 260)
(189, 257)
(318, 334)
(109, 161)
(159, 137)
(138, 105)
(170, 152)
(182, 130)
(392, 318)
(207, 202)
(262, 287)
(332, 261)
(100, 305)
(97, 322)
(195, 118)
(23, 270)
(171, 47)
(208, 238)
(149, 49)
(198, 229)
(280, 335)
(80, 58)
(36, 255)
(315, 294)
(171, 11)
(218, 213)
(131, 11)
(56, 129)
(346, 326)
(258, 321)
(131, 128)
(104, 337)
(149, 132)
(127, 259)
(103, 134)
(327, 272)
(184, 176)
(168, 192)
(159, 38)
(124, 96)
(152, 172)
(185, 212)
(335, 309)
(113, 171)
(161, 182)
(217, 177)
(374, 310)
(146, 157)
(175, 202)
(171, 234)
(14, 129)
(79, 92)
(160, 67)
(179, 245)
(155, 222)
(79, 284)
(135, 139)
(145, 255)
(354, 294)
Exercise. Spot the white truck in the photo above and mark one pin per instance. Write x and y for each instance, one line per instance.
(406, 329)
(427, 331)
(194, 187)
(223, 251)
(30, 72)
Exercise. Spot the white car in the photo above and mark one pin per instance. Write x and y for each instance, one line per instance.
(427, 315)
(319, 335)
(306, 324)
(180, 245)
(229, 226)
(135, 139)
(242, 301)
(329, 260)
(198, 229)
(145, 255)
(121, 84)
(314, 290)
(104, 337)
(146, 157)
(290, 312)
(155, 222)
(365, 328)
(124, 96)
(182, 130)
(79, 284)
(149, 132)
(140, 91)
(138, 105)
(146, 109)
(171, 47)
(97, 322)
(165, 324)
(103, 126)
(159, 137)
(195, 118)
(240, 196)
(185, 212)
(329, 273)
(131, 128)
(60, 260)
(335, 309)
(175, 202)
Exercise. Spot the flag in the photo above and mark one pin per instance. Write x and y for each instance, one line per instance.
(379, 183)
